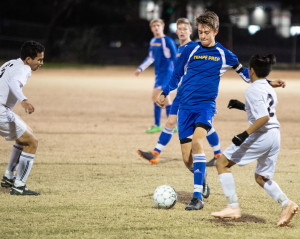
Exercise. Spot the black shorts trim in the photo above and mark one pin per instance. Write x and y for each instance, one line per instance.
(204, 126)
(185, 140)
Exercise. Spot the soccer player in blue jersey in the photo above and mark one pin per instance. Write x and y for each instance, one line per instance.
(200, 68)
(162, 52)
(184, 31)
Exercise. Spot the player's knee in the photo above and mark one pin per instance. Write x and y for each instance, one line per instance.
(171, 124)
(34, 141)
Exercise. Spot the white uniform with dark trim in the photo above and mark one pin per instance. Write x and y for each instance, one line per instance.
(14, 75)
(264, 144)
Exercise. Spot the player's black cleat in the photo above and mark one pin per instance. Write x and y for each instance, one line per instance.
(7, 183)
(195, 204)
(206, 189)
(152, 157)
(23, 191)
(211, 163)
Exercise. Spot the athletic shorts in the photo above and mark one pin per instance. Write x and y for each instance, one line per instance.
(263, 147)
(187, 121)
(174, 106)
(162, 79)
(11, 125)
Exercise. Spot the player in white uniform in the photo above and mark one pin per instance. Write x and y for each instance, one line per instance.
(14, 75)
(261, 142)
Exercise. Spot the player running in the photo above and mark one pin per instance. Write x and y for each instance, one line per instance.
(261, 142)
(162, 52)
(14, 75)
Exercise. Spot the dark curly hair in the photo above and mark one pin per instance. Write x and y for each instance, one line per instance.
(31, 49)
(262, 64)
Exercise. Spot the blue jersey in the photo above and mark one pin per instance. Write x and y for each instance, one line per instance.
(162, 52)
(201, 68)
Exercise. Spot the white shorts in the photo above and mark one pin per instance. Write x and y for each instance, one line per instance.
(11, 125)
(263, 147)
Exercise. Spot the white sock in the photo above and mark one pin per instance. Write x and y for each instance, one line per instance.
(273, 189)
(228, 186)
(13, 161)
(25, 165)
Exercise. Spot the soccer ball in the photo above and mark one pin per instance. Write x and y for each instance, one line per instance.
(165, 196)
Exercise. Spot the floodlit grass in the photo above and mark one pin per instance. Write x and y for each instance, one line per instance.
(90, 122)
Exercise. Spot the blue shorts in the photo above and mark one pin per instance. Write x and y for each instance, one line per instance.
(174, 107)
(162, 79)
(187, 121)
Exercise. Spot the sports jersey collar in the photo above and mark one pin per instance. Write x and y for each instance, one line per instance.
(260, 81)
(207, 47)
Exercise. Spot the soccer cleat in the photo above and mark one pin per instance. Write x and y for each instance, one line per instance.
(152, 157)
(206, 189)
(287, 213)
(7, 183)
(195, 204)
(213, 161)
(23, 191)
(232, 212)
(153, 129)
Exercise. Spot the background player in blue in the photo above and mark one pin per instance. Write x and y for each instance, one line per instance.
(184, 31)
(200, 67)
(162, 52)
(260, 142)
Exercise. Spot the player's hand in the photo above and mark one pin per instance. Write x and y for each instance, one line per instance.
(278, 83)
(137, 72)
(160, 101)
(240, 138)
(27, 106)
(236, 104)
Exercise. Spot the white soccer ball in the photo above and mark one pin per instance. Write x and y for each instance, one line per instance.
(165, 196)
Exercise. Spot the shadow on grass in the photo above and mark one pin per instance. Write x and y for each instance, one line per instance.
(246, 218)
(163, 160)
(4, 190)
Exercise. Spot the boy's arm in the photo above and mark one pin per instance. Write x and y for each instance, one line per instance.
(240, 138)
(146, 63)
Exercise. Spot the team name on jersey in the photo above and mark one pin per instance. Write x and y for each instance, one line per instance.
(206, 57)
(156, 44)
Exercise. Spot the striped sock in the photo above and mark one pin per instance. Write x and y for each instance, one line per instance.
(199, 172)
(157, 115)
(25, 165)
(164, 139)
(213, 140)
(13, 161)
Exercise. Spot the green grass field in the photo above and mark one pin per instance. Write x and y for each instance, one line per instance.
(90, 122)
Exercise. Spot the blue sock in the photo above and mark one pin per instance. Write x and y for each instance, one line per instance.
(213, 140)
(168, 108)
(157, 114)
(199, 172)
(164, 139)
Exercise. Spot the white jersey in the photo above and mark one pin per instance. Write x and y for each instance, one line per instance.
(261, 100)
(14, 75)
